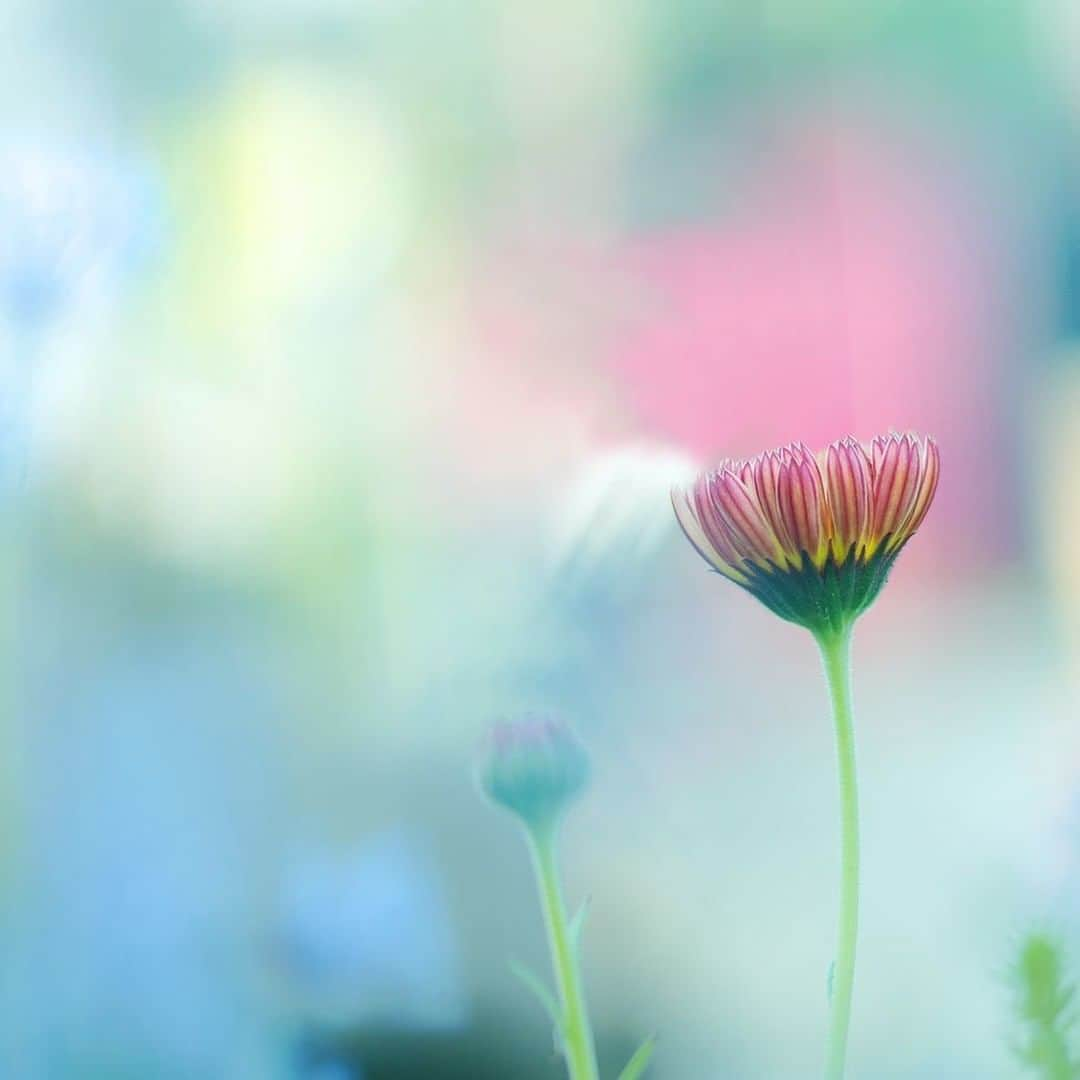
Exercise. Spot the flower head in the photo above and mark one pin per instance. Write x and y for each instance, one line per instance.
(534, 767)
(813, 536)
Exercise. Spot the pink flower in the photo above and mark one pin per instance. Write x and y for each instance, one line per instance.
(813, 536)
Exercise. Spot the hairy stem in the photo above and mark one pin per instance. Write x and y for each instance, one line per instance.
(835, 652)
(576, 1032)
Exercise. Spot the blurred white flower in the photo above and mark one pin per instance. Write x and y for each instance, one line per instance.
(1055, 26)
(616, 515)
(70, 222)
(207, 475)
(73, 224)
(311, 171)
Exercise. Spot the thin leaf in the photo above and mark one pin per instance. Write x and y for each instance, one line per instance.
(540, 991)
(577, 923)
(637, 1065)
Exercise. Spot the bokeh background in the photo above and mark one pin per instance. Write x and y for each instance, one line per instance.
(350, 348)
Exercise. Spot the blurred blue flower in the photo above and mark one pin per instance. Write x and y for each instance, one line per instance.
(333, 1070)
(148, 777)
(367, 938)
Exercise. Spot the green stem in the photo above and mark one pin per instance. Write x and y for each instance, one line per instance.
(1053, 1053)
(835, 652)
(576, 1032)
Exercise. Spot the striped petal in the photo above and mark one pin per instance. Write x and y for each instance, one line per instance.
(802, 501)
(767, 488)
(848, 480)
(749, 529)
(926, 469)
(708, 548)
(895, 460)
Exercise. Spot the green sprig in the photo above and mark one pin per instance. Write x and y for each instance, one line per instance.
(1045, 1003)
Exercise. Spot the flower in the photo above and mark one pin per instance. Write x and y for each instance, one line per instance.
(611, 522)
(365, 932)
(534, 767)
(73, 223)
(812, 536)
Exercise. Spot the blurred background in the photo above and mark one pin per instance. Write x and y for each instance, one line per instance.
(349, 350)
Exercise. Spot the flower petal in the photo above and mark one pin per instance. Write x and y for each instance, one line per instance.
(895, 477)
(770, 467)
(699, 539)
(802, 500)
(926, 470)
(748, 527)
(848, 478)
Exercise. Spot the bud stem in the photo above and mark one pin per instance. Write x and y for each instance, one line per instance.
(835, 652)
(576, 1032)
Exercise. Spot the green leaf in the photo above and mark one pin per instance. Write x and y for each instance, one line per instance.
(540, 991)
(577, 923)
(637, 1065)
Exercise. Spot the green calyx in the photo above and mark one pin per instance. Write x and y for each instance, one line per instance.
(825, 600)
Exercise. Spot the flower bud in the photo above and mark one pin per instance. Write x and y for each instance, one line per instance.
(534, 767)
